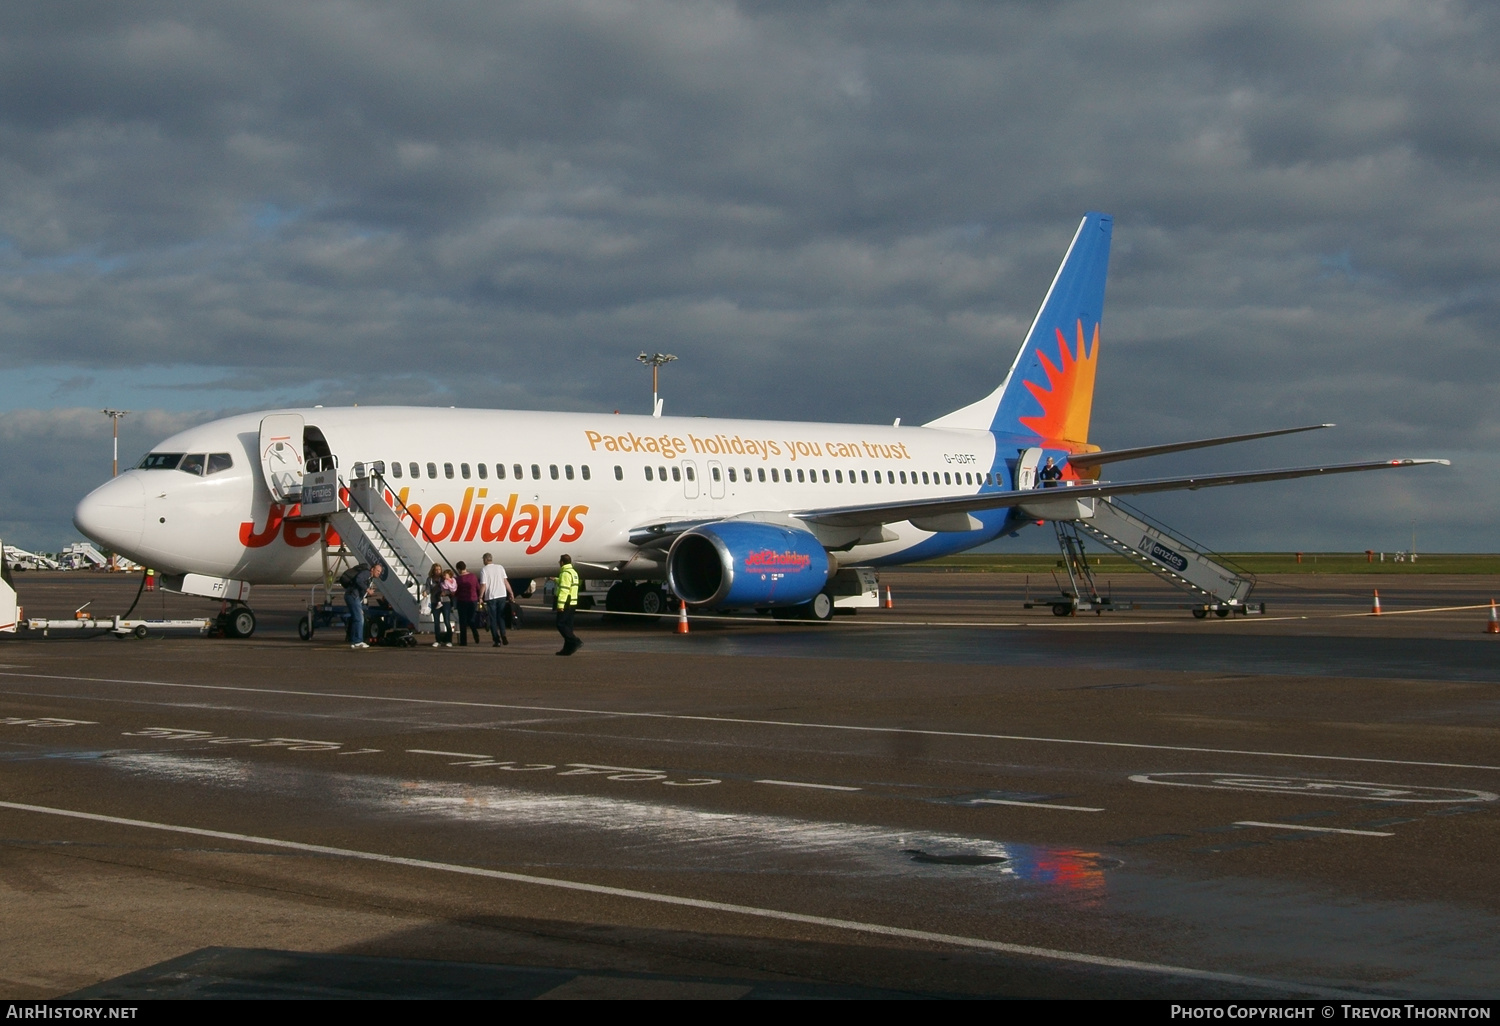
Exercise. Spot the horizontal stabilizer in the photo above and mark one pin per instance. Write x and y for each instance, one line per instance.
(1084, 460)
(926, 509)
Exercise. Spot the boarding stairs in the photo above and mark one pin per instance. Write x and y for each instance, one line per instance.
(1152, 546)
(374, 525)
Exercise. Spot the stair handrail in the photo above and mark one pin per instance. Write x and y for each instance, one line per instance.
(1172, 532)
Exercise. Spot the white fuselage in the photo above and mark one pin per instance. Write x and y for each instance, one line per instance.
(528, 486)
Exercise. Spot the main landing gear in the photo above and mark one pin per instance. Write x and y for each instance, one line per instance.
(648, 602)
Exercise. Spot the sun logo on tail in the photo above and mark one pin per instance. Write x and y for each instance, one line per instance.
(1067, 398)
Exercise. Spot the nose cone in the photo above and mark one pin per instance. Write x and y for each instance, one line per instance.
(114, 514)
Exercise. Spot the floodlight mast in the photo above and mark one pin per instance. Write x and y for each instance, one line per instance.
(655, 361)
(114, 416)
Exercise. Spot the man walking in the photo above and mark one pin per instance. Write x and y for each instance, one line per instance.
(495, 591)
(567, 605)
(357, 582)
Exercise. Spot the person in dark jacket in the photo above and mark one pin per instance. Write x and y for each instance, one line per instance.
(354, 601)
(467, 600)
(1051, 475)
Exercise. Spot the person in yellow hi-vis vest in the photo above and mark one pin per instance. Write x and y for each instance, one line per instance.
(567, 605)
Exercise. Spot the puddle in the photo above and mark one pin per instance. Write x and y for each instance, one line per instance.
(918, 855)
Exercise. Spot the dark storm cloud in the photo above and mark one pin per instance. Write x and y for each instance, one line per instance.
(836, 211)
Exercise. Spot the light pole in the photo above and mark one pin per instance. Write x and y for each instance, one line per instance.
(655, 361)
(114, 416)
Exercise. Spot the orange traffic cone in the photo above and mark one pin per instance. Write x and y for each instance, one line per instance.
(889, 602)
(682, 624)
(1493, 627)
(1375, 610)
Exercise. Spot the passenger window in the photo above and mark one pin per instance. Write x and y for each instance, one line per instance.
(568, 471)
(193, 464)
(517, 468)
(864, 477)
(395, 470)
(903, 477)
(585, 471)
(800, 478)
(825, 477)
(619, 472)
(432, 471)
(690, 474)
(484, 470)
(838, 477)
(648, 473)
(536, 472)
(416, 471)
(760, 475)
(676, 473)
(463, 470)
(219, 461)
(448, 471)
(499, 471)
(552, 469)
(661, 472)
(773, 474)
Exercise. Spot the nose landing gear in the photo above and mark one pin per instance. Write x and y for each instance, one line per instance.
(237, 621)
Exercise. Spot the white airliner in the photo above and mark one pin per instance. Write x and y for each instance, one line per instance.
(720, 513)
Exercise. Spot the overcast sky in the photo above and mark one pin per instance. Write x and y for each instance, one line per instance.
(827, 211)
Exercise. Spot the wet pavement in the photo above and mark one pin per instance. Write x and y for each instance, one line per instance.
(1135, 805)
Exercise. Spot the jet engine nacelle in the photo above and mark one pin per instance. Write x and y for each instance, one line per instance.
(743, 563)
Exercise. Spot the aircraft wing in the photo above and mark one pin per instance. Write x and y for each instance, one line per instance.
(956, 506)
(1082, 460)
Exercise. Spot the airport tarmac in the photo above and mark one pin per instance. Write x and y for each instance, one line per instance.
(956, 796)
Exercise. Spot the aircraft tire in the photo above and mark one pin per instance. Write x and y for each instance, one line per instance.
(240, 623)
(652, 601)
(305, 628)
(1061, 609)
(821, 608)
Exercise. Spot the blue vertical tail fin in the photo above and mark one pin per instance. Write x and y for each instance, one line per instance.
(1049, 392)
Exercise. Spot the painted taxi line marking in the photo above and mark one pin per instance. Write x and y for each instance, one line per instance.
(849, 925)
(1360, 790)
(1033, 805)
(802, 783)
(1313, 829)
(625, 774)
(291, 744)
(46, 721)
(745, 721)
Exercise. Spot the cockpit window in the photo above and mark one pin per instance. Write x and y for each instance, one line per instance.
(193, 463)
(218, 461)
(160, 461)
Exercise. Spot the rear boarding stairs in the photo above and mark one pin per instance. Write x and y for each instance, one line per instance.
(1214, 587)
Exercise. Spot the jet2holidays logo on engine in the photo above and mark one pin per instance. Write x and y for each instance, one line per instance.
(529, 524)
